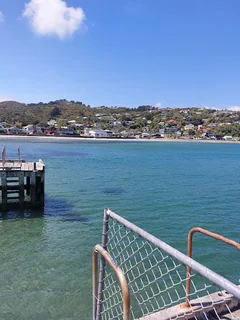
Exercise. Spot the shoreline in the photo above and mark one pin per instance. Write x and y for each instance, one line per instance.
(64, 138)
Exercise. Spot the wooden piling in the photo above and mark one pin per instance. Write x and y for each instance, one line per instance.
(33, 187)
(21, 189)
(4, 190)
(28, 188)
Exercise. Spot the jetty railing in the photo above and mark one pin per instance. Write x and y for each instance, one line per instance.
(155, 279)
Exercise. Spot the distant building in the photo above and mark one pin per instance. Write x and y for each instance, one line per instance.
(14, 130)
(189, 127)
(95, 133)
(229, 138)
(98, 124)
(2, 128)
(66, 131)
(52, 122)
(29, 129)
(109, 133)
(145, 135)
(117, 123)
(129, 122)
(172, 121)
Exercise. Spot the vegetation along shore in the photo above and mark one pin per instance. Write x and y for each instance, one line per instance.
(62, 118)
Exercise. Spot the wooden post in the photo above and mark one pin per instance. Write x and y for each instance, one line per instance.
(42, 189)
(4, 156)
(19, 158)
(4, 190)
(21, 189)
(28, 186)
(33, 188)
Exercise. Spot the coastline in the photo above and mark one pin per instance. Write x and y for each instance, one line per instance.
(64, 138)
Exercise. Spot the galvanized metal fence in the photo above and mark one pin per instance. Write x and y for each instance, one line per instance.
(141, 277)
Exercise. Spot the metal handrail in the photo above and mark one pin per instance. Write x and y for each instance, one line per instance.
(212, 276)
(120, 275)
(209, 234)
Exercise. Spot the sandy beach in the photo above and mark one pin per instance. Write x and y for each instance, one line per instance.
(64, 138)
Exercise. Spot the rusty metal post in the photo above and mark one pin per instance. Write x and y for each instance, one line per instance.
(120, 275)
(94, 282)
(102, 265)
(209, 234)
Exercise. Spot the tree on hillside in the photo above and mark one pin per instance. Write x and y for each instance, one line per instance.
(55, 112)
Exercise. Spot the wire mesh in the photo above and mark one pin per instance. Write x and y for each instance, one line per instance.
(157, 283)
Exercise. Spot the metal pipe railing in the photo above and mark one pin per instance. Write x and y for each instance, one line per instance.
(102, 266)
(181, 257)
(209, 234)
(120, 275)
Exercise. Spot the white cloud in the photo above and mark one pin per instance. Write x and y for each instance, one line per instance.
(1, 17)
(5, 98)
(158, 105)
(53, 17)
(234, 108)
(207, 107)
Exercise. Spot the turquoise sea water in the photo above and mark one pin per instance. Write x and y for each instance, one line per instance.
(165, 188)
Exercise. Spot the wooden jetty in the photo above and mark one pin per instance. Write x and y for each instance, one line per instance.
(21, 183)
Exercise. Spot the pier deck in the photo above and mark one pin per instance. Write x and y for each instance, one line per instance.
(219, 305)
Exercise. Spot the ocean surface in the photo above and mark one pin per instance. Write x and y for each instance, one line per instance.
(164, 187)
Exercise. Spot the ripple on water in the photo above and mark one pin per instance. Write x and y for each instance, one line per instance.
(114, 191)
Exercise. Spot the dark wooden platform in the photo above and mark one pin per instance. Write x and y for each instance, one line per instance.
(21, 183)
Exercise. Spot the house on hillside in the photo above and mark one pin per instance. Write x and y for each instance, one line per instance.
(117, 123)
(14, 130)
(109, 133)
(52, 123)
(228, 138)
(95, 133)
(189, 126)
(170, 122)
(66, 131)
(29, 129)
(71, 122)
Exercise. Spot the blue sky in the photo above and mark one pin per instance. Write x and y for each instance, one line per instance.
(177, 53)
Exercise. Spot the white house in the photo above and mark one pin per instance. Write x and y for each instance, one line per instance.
(189, 127)
(145, 135)
(229, 138)
(117, 123)
(29, 129)
(96, 133)
(109, 133)
(52, 122)
(71, 122)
